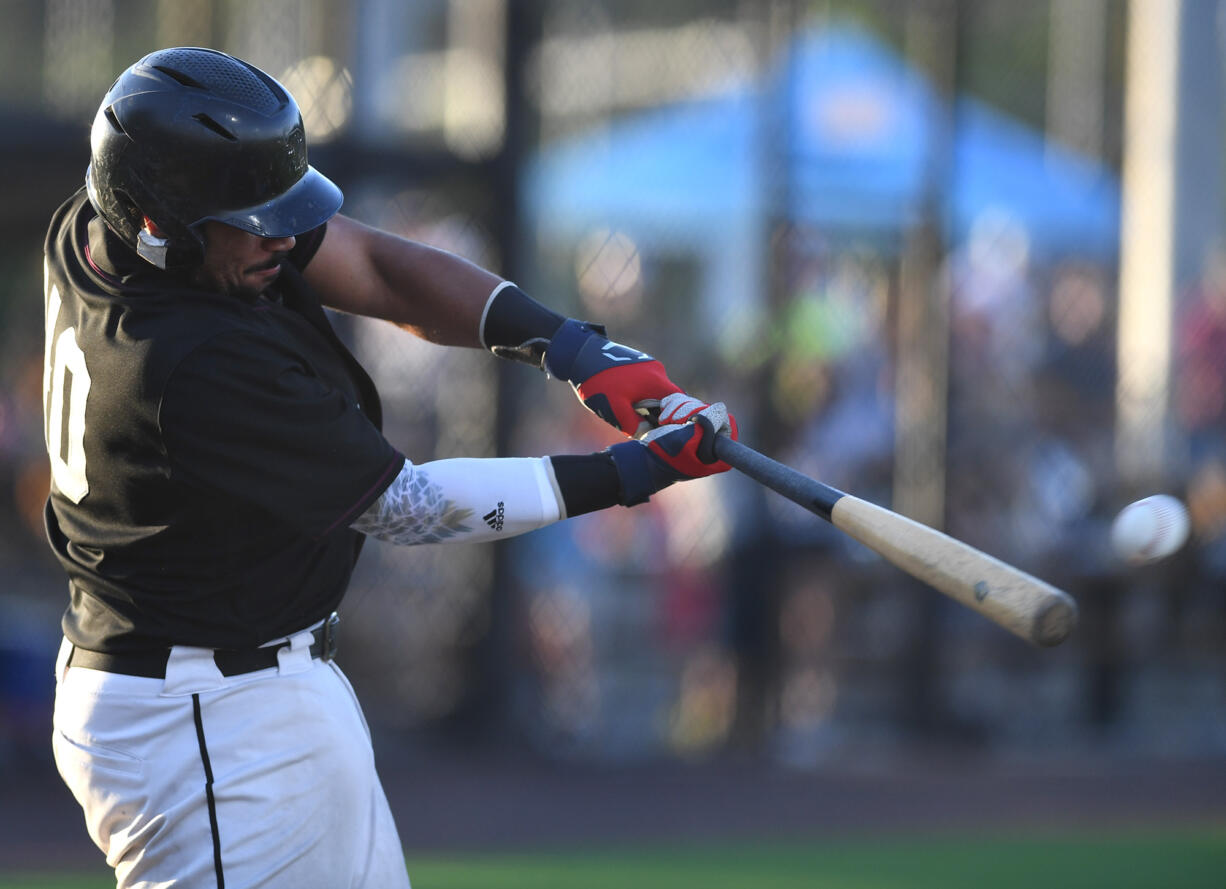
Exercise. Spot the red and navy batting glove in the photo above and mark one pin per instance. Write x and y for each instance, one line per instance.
(672, 453)
(613, 381)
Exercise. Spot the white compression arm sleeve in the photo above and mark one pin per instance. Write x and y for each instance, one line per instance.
(463, 500)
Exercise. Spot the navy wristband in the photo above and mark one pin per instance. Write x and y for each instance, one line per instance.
(587, 482)
(517, 327)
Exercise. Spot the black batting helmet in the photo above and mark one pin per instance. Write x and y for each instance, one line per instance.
(187, 135)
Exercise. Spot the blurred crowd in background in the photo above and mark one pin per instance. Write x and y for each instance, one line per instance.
(888, 234)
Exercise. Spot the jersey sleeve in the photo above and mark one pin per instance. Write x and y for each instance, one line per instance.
(246, 418)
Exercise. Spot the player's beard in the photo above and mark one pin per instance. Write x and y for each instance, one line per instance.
(244, 285)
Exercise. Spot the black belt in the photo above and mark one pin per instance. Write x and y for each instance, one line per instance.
(231, 662)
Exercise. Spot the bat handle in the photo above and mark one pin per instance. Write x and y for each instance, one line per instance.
(781, 479)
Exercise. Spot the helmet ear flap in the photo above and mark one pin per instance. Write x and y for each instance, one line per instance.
(164, 249)
(152, 248)
(171, 254)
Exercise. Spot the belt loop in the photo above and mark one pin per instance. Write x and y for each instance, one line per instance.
(296, 656)
(329, 640)
(63, 660)
(190, 670)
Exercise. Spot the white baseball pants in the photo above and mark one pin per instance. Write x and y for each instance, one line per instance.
(265, 779)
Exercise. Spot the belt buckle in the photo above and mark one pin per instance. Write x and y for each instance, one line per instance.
(329, 640)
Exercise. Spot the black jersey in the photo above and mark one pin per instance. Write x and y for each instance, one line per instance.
(208, 452)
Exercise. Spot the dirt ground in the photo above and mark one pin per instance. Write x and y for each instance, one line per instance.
(458, 801)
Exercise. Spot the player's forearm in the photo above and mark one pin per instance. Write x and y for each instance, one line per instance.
(435, 294)
(468, 500)
(432, 293)
(462, 500)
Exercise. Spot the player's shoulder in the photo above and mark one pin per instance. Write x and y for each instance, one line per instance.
(69, 209)
(69, 217)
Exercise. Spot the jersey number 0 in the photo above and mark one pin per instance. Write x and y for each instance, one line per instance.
(65, 390)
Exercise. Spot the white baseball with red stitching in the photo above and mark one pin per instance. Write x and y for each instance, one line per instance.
(1150, 529)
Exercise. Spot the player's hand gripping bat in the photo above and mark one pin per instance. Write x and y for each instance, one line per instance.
(1024, 605)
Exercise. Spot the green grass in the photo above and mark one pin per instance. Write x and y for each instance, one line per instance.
(1158, 859)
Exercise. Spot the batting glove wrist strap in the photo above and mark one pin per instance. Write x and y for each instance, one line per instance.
(562, 358)
(640, 472)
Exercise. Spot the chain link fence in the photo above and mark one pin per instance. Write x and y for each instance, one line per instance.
(796, 213)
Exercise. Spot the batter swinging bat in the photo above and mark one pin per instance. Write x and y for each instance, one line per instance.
(1023, 605)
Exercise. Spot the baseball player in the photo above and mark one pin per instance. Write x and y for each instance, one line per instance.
(217, 461)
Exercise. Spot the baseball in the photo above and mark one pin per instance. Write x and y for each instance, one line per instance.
(1150, 529)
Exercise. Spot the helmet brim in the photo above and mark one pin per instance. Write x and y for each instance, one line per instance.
(307, 204)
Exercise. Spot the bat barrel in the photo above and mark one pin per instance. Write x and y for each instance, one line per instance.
(1055, 620)
(1022, 604)
(1026, 606)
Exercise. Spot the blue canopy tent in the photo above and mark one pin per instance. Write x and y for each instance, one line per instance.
(870, 146)
(856, 128)
(682, 168)
(844, 136)
(1066, 203)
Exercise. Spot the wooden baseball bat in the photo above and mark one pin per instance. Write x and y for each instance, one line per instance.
(1022, 604)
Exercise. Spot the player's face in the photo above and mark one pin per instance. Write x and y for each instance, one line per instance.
(240, 263)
